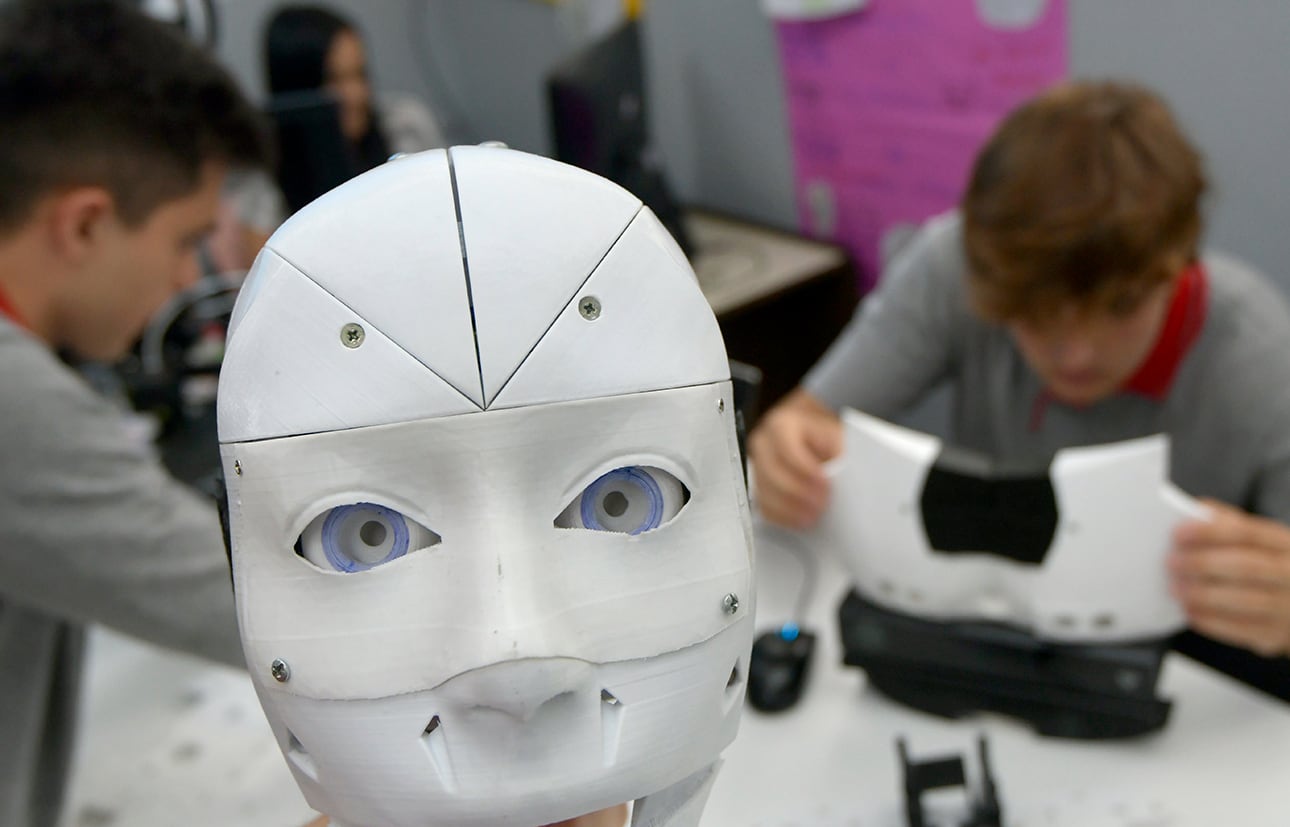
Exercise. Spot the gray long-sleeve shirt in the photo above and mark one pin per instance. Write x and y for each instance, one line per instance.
(1227, 411)
(92, 529)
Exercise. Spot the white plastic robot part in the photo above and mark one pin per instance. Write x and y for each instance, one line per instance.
(1104, 577)
(485, 258)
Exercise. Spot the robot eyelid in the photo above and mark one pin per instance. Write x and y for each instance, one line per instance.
(361, 536)
(629, 500)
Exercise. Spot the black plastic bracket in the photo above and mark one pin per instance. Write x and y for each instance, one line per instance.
(984, 809)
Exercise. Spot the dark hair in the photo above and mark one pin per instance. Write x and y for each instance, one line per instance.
(93, 92)
(295, 55)
(1089, 193)
(296, 45)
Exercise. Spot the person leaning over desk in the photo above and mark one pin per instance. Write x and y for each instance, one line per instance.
(115, 135)
(1067, 303)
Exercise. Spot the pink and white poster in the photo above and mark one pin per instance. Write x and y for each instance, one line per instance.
(889, 104)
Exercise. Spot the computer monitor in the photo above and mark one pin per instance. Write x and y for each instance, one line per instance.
(599, 122)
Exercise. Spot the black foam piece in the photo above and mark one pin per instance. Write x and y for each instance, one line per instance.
(969, 506)
(954, 669)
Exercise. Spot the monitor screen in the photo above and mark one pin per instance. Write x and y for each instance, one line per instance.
(599, 122)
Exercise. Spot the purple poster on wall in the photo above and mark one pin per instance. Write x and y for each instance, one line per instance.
(888, 106)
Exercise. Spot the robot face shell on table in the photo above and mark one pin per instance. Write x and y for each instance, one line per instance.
(1101, 576)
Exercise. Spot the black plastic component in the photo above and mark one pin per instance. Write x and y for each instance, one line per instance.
(778, 668)
(314, 156)
(745, 388)
(956, 668)
(939, 773)
(600, 122)
(968, 505)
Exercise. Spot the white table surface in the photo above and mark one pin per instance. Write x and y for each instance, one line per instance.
(169, 740)
(1223, 759)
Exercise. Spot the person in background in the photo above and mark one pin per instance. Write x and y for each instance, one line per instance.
(115, 138)
(309, 48)
(1068, 303)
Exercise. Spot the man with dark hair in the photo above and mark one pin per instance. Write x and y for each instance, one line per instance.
(115, 135)
(1067, 303)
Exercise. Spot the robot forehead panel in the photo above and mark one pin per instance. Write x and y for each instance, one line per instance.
(459, 280)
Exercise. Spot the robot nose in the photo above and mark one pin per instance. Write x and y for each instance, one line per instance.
(520, 687)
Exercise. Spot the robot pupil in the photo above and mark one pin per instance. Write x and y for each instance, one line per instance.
(372, 533)
(615, 503)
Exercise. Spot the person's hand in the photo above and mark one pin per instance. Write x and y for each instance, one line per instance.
(788, 449)
(1232, 575)
(608, 817)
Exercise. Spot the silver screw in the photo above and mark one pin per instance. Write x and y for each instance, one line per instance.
(237, 467)
(1128, 680)
(352, 335)
(589, 307)
(721, 406)
(280, 671)
(730, 603)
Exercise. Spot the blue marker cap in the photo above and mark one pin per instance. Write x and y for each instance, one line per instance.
(789, 631)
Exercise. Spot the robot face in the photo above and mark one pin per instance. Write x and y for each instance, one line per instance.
(491, 581)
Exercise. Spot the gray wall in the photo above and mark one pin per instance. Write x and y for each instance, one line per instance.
(718, 105)
(1225, 67)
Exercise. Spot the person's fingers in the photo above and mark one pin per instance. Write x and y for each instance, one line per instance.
(1257, 603)
(825, 438)
(793, 449)
(1237, 564)
(1263, 636)
(792, 489)
(610, 817)
(1229, 526)
(783, 501)
(772, 468)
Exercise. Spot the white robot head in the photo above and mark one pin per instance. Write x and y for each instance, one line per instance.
(489, 533)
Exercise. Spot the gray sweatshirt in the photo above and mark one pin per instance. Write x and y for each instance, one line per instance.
(1227, 410)
(92, 529)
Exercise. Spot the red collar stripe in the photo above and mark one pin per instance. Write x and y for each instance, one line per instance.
(1183, 323)
(8, 310)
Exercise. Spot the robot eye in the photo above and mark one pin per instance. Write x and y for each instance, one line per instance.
(361, 536)
(626, 500)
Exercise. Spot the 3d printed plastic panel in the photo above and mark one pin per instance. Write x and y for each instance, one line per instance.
(505, 583)
(1102, 579)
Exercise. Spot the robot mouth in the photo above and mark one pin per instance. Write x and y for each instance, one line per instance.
(566, 717)
(584, 726)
